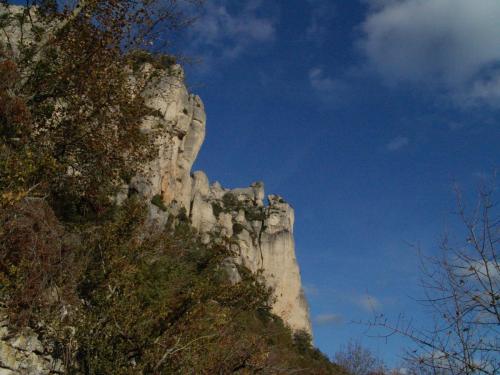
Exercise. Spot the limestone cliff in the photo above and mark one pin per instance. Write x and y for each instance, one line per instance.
(263, 230)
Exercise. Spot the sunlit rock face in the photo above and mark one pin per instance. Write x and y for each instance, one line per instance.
(262, 228)
(179, 130)
(21, 352)
(12, 34)
(264, 237)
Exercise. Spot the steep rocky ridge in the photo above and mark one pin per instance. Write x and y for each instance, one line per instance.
(262, 228)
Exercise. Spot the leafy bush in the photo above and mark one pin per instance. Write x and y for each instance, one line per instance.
(217, 209)
(157, 200)
(255, 213)
(110, 295)
(238, 228)
(39, 261)
(159, 61)
(156, 303)
(231, 202)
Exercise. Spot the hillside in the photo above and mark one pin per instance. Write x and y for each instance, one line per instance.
(114, 257)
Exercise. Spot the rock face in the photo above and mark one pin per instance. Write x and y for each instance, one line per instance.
(179, 131)
(263, 230)
(264, 234)
(22, 353)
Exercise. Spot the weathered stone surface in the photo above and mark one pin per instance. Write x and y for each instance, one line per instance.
(12, 33)
(264, 233)
(179, 130)
(28, 343)
(22, 353)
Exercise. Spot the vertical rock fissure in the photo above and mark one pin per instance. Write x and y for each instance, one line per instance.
(262, 229)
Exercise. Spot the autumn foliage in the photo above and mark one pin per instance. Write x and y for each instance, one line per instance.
(108, 292)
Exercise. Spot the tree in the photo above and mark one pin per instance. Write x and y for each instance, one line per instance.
(72, 105)
(107, 293)
(358, 360)
(71, 109)
(462, 289)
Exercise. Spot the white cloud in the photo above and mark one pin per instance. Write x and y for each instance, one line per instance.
(326, 319)
(397, 143)
(368, 302)
(330, 91)
(487, 89)
(451, 45)
(225, 32)
(320, 82)
(478, 270)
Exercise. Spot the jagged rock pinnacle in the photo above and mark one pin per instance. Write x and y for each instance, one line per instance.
(264, 232)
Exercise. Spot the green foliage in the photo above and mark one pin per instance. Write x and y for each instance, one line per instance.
(160, 303)
(238, 228)
(255, 213)
(108, 293)
(217, 209)
(58, 110)
(230, 202)
(157, 200)
(159, 61)
(182, 216)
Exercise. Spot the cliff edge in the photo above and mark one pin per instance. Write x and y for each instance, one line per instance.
(262, 228)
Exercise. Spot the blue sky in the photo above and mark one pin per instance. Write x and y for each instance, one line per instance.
(361, 114)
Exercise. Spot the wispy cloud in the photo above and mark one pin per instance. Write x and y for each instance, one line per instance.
(368, 302)
(320, 82)
(328, 319)
(478, 270)
(397, 143)
(224, 31)
(448, 45)
(329, 90)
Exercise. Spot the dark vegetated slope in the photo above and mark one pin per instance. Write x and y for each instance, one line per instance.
(117, 298)
(105, 290)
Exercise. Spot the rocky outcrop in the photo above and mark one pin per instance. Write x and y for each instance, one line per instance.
(23, 353)
(180, 117)
(262, 229)
(264, 237)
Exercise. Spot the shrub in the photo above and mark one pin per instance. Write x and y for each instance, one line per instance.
(217, 209)
(255, 214)
(238, 228)
(231, 202)
(159, 61)
(157, 200)
(37, 259)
